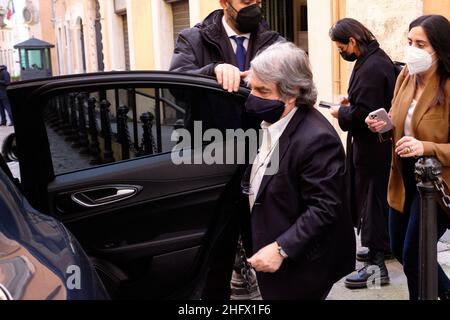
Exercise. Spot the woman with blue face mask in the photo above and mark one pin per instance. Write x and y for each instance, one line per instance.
(420, 114)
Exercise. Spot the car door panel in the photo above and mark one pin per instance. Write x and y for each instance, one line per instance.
(157, 176)
(160, 236)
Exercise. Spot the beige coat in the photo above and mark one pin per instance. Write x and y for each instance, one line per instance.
(429, 124)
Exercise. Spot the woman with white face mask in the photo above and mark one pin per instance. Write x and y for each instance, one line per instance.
(420, 114)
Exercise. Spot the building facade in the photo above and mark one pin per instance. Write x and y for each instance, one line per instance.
(12, 31)
(106, 35)
(140, 35)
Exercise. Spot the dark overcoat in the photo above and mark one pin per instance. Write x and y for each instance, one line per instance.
(368, 161)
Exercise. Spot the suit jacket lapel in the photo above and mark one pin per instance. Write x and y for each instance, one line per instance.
(405, 99)
(283, 145)
(425, 101)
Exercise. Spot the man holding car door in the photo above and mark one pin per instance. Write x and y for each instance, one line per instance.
(222, 46)
(368, 161)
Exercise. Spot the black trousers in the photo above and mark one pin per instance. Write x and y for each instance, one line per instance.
(5, 106)
(371, 203)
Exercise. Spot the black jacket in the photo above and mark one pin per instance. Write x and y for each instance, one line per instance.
(199, 49)
(371, 87)
(303, 208)
(368, 161)
(5, 80)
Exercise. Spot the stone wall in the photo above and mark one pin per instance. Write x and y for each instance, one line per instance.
(388, 20)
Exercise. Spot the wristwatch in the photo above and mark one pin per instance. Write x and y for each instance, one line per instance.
(282, 252)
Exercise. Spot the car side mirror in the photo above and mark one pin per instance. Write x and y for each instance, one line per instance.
(9, 148)
(4, 293)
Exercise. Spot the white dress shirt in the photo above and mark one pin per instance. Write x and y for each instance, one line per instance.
(231, 33)
(408, 118)
(271, 136)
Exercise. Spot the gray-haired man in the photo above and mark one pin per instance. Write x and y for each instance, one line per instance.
(302, 234)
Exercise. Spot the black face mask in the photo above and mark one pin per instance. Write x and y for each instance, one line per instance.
(248, 18)
(265, 109)
(348, 56)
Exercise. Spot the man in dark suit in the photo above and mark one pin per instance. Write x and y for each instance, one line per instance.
(225, 42)
(302, 233)
(222, 47)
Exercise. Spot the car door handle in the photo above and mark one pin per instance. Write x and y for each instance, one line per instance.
(101, 196)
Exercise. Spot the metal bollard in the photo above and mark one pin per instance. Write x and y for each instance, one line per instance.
(148, 142)
(52, 114)
(428, 170)
(75, 136)
(133, 107)
(82, 129)
(244, 285)
(94, 146)
(123, 132)
(59, 110)
(65, 112)
(108, 155)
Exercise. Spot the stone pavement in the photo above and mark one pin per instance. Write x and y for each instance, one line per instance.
(397, 290)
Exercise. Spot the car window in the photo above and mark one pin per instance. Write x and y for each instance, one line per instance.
(92, 128)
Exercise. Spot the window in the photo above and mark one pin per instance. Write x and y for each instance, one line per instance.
(87, 129)
(35, 59)
(280, 17)
(126, 42)
(23, 59)
(180, 13)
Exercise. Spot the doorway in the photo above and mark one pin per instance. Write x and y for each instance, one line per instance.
(81, 46)
(289, 18)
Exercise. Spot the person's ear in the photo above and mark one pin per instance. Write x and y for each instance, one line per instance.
(353, 42)
(223, 4)
(291, 101)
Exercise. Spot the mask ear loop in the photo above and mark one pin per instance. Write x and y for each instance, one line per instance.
(232, 7)
(435, 61)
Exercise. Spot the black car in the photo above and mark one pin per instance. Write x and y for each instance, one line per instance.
(100, 160)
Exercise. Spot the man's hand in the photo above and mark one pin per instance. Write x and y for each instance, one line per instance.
(344, 101)
(268, 259)
(229, 76)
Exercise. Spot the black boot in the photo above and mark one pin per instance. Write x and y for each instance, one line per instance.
(445, 295)
(375, 264)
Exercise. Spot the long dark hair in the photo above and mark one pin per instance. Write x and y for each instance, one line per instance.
(348, 27)
(437, 29)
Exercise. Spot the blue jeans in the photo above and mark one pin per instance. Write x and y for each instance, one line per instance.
(404, 234)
